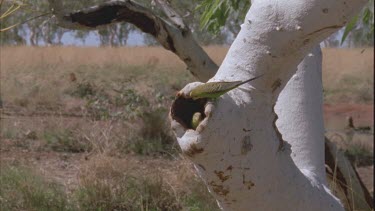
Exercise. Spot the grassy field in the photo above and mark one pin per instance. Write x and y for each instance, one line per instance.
(85, 129)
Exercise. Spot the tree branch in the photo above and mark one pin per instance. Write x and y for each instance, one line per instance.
(172, 14)
(179, 40)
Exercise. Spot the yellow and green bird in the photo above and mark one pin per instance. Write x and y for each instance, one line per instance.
(196, 120)
(216, 89)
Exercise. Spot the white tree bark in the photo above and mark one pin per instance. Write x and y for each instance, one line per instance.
(300, 111)
(238, 149)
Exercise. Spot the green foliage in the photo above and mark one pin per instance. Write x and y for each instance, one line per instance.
(349, 27)
(84, 90)
(134, 104)
(15, 14)
(362, 25)
(32, 17)
(212, 15)
(64, 141)
(216, 13)
(23, 190)
(126, 103)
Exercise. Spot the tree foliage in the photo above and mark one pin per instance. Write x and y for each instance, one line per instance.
(361, 27)
(217, 13)
(212, 22)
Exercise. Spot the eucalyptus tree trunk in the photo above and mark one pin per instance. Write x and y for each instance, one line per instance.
(249, 158)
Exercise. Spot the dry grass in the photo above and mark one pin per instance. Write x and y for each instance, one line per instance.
(337, 62)
(33, 76)
(142, 183)
(23, 189)
(348, 75)
(107, 183)
(92, 119)
(31, 56)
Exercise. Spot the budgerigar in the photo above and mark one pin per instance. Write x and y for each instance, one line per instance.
(214, 90)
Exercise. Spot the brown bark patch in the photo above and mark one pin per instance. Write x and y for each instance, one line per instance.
(193, 150)
(276, 84)
(219, 189)
(246, 145)
(221, 176)
(248, 183)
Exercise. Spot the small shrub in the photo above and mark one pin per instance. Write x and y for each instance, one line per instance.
(154, 137)
(132, 104)
(102, 105)
(64, 141)
(99, 106)
(84, 90)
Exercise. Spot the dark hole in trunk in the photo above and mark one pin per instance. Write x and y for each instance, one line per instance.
(183, 110)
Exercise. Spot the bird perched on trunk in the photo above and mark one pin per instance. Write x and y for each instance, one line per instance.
(216, 89)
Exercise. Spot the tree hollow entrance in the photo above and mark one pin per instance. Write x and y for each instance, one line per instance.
(183, 110)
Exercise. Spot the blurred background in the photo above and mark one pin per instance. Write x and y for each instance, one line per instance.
(83, 113)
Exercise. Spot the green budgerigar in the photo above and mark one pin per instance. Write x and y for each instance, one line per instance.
(196, 120)
(216, 89)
